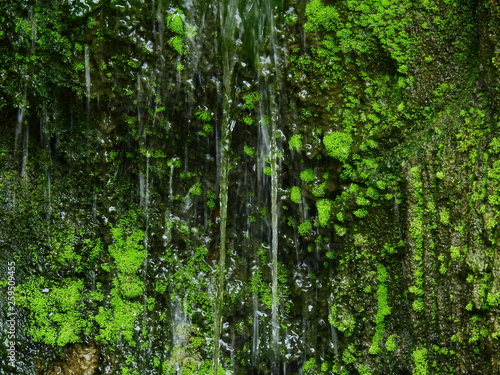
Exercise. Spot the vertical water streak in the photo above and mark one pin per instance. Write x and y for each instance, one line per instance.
(269, 79)
(223, 196)
(274, 243)
(44, 134)
(24, 162)
(228, 16)
(87, 76)
(255, 333)
(20, 117)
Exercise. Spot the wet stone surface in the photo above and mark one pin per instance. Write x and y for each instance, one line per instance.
(77, 360)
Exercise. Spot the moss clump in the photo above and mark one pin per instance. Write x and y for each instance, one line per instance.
(196, 189)
(420, 361)
(391, 343)
(251, 99)
(338, 145)
(55, 310)
(383, 309)
(248, 150)
(295, 142)
(175, 22)
(177, 44)
(295, 194)
(118, 322)
(324, 207)
(127, 249)
(304, 228)
(203, 115)
(321, 17)
(307, 175)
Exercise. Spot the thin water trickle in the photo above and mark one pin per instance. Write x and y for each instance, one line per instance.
(24, 163)
(87, 75)
(227, 10)
(19, 126)
(44, 134)
(268, 63)
(255, 333)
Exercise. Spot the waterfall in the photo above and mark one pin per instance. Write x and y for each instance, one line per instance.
(159, 155)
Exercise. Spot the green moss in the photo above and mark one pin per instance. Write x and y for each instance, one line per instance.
(203, 115)
(321, 17)
(391, 343)
(342, 319)
(177, 44)
(318, 190)
(196, 189)
(130, 286)
(295, 142)
(251, 99)
(295, 194)
(55, 309)
(248, 150)
(127, 248)
(307, 175)
(364, 370)
(304, 228)
(338, 145)
(361, 213)
(455, 253)
(211, 200)
(420, 361)
(350, 354)
(310, 367)
(175, 22)
(444, 216)
(383, 309)
(118, 322)
(324, 207)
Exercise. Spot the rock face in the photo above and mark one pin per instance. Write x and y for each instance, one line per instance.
(341, 158)
(77, 360)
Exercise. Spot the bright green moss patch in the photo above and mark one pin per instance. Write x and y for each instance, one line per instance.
(321, 17)
(295, 194)
(391, 343)
(203, 115)
(307, 175)
(304, 227)
(127, 248)
(420, 361)
(118, 322)
(342, 319)
(177, 44)
(56, 310)
(130, 285)
(324, 207)
(196, 189)
(338, 145)
(250, 100)
(295, 142)
(383, 309)
(248, 150)
(175, 22)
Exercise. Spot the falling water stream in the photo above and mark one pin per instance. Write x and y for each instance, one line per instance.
(88, 82)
